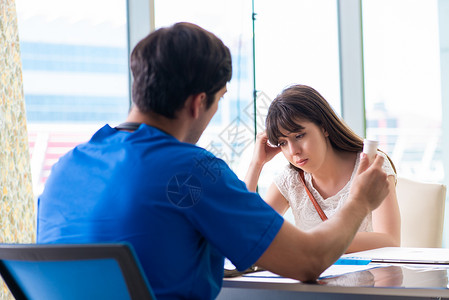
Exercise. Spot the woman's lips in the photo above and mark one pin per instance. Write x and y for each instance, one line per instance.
(301, 162)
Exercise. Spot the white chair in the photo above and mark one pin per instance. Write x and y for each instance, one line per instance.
(422, 213)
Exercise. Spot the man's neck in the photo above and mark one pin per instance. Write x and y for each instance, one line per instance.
(172, 127)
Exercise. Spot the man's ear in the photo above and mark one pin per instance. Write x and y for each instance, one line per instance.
(196, 103)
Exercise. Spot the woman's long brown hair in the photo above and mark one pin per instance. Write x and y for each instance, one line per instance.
(301, 102)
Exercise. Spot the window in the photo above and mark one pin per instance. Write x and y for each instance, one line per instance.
(403, 46)
(403, 84)
(296, 43)
(75, 74)
(230, 133)
(75, 69)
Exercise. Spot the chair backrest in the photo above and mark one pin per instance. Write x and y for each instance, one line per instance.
(84, 271)
(422, 212)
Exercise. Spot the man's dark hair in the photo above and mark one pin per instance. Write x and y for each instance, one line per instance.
(172, 63)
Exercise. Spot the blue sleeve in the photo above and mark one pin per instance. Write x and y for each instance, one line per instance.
(237, 222)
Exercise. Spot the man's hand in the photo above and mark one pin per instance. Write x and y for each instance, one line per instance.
(370, 184)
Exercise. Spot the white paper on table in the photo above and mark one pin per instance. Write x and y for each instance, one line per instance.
(332, 271)
(337, 270)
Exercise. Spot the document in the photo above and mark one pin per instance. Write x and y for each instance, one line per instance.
(332, 271)
(404, 255)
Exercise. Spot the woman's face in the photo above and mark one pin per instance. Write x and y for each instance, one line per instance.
(307, 148)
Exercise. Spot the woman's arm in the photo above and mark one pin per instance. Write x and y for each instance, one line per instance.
(386, 225)
(262, 154)
(276, 200)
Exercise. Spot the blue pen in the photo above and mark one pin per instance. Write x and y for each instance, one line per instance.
(352, 261)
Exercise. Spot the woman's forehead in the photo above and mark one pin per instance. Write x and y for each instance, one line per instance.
(295, 126)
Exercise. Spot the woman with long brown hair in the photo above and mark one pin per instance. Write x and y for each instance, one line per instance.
(323, 154)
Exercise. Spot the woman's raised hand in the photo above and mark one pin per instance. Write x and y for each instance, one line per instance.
(262, 154)
(263, 151)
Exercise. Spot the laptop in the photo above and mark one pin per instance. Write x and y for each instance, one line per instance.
(404, 255)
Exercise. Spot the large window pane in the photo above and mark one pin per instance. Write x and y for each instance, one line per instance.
(231, 132)
(403, 84)
(75, 73)
(296, 43)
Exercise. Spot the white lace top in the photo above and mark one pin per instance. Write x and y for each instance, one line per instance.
(305, 214)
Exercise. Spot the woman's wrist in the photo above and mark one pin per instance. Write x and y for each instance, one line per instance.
(252, 175)
(256, 165)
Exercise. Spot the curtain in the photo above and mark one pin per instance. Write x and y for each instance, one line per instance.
(17, 220)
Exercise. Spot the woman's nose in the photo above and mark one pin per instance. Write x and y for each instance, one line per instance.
(294, 149)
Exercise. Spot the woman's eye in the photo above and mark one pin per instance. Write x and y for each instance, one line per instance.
(299, 136)
(281, 144)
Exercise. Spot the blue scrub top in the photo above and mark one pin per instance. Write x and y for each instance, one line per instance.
(181, 208)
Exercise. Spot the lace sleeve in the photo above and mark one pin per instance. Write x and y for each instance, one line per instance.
(281, 181)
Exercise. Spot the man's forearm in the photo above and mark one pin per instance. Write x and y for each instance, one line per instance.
(334, 236)
(305, 255)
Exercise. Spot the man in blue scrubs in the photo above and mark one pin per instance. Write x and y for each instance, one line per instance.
(183, 210)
